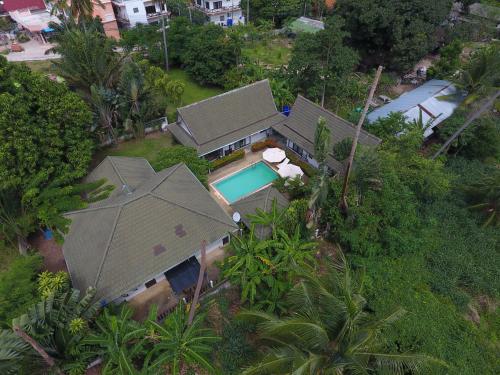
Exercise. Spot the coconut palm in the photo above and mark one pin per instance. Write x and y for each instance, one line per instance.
(292, 252)
(15, 353)
(179, 346)
(327, 331)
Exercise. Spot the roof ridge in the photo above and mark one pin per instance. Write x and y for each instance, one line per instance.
(246, 126)
(108, 244)
(224, 93)
(348, 123)
(116, 170)
(187, 208)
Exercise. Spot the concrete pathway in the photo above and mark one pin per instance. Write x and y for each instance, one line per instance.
(33, 50)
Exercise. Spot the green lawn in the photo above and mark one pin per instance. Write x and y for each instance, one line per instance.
(273, 52)
(42, 66)
(147, 148)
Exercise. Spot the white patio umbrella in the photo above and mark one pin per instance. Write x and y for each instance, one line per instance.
(290, 171)
(274, 155)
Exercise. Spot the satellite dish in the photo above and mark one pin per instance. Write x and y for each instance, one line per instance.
(236, 217)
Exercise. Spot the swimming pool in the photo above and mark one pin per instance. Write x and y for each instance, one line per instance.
(246, 181)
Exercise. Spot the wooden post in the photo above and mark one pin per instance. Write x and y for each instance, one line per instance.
(343, 197)
(47, 358)
(196, 297)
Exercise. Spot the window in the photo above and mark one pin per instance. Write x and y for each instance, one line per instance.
(136, 10)
(222, 18)
(198, 2)
(225, 240)
(150, 283)
(217, 4)
(240, 144)
(297, 149)
(150, 9)
(207, 5)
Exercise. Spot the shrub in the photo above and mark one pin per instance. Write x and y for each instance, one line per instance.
(171, 156)
(235, 350)
(257, 146)
(236, 155)
(18, 288)
(23, 37)
(308, 169)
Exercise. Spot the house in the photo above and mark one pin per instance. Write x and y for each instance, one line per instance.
(222, 124)
(221, 12)
(132, 12)
(150, 229)
(297, 131)
(263, 200)
(427, 101)
(108, 19)
(305, 24)
(30, 15)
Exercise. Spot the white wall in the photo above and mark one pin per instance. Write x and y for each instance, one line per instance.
(237, 16)
(135, 18)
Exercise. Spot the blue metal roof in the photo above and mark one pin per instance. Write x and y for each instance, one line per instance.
(411, 99)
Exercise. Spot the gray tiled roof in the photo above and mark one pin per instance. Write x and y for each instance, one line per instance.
(262, 199)
(227, 118)
(110, 245)
(120, 171)
(300, 127)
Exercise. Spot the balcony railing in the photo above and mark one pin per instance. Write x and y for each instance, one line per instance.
(224, 9)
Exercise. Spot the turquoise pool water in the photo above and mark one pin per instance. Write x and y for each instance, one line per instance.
(246, 181)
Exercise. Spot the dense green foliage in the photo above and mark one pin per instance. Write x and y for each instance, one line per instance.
(328, 330)
(18, 288)
(45, 146)
(171, 156)
(394, 33)
(225, 160)
(321, 62)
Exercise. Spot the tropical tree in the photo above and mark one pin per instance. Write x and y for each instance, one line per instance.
(178, 346)
(322, 141)
(269, 218)
(88, 58)
(57, 324)
(327, 330)
(120, 341)
(15, 354)
(105, 108)
(78, 10)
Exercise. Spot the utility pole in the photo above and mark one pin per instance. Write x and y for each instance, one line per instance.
(343, 197)
(164, 31)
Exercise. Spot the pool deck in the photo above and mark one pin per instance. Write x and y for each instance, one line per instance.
(249, 159)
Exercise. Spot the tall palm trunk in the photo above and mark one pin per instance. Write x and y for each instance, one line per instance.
(201, 276)
(345, 186)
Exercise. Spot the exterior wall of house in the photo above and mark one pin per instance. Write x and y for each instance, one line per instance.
(252, 138)
(131, 11)
(141, 288)
(219, 11)
(302, 153)
(107, 15)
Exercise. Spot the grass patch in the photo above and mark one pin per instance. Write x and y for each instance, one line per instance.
(274, 52)
(148, 147)
(193, 92)
(41, 66)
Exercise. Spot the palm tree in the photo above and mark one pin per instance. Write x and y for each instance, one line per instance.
(15, 353)
(105, 111)
(322, 140)
(180, 346)
(88, 58)
(485, 196)
(119, 341)
(292, 252)
(327, 331)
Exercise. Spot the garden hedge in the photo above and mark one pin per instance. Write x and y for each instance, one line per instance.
(236, 155)
(257, 146)
(308, 169)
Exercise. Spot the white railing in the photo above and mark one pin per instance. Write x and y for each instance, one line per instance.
(224, 9)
